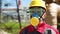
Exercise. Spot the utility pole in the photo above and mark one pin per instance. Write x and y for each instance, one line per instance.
(0, 10)
(19, 19)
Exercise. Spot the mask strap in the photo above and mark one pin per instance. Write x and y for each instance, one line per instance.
(42, 17)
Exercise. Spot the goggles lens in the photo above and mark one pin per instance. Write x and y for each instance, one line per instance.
(39, 11)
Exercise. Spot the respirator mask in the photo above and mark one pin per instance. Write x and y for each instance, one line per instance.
(36, 15)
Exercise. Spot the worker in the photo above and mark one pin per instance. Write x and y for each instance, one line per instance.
(37, 10)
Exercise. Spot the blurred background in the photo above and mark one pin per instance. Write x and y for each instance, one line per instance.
(14, 15)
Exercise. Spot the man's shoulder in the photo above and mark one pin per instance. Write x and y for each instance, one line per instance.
(26, 27)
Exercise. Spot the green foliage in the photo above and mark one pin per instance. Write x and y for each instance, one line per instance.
(25, 24)
(12, 27)
(2, 26)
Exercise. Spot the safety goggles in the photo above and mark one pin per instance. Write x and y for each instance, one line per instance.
(39, 11)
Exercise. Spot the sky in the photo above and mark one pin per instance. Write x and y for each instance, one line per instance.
(26, 2)
(12, 3)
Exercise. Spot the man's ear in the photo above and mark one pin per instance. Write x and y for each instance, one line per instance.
(44, 15)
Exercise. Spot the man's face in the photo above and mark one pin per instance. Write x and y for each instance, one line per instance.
(36, 14)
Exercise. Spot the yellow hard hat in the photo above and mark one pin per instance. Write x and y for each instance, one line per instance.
(37, 3)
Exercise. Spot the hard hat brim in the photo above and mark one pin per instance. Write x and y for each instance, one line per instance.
(37, 7)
